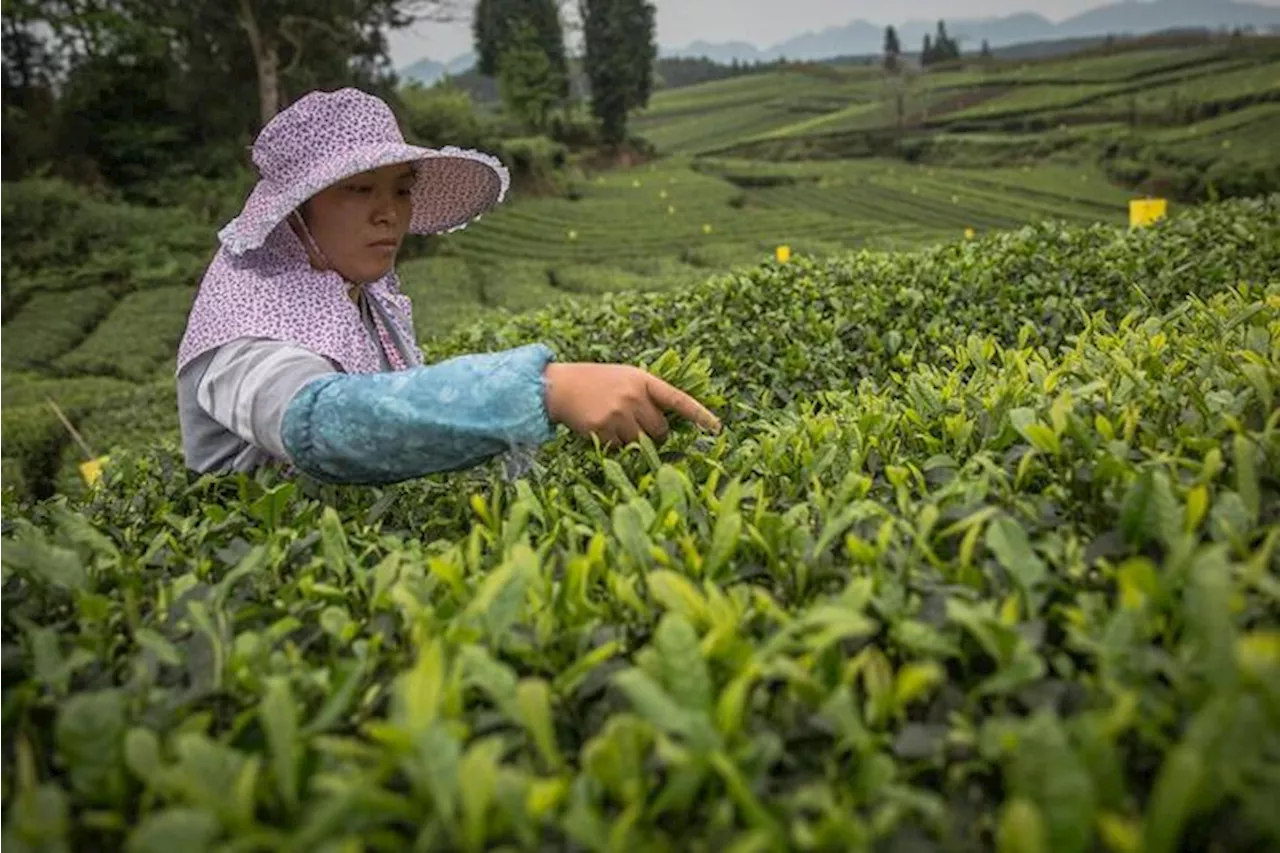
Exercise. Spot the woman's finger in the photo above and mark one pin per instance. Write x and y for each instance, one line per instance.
(652, 421)
(669, 398)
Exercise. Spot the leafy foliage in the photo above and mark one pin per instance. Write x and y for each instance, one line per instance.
(65, 238)
(136, 338)
(984, 558)
(160, 89)
(620, 49)
(526, 81)
(51, 323)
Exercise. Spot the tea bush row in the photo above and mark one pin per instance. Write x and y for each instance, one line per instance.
(785, 330)
(52, 323)
(1017, 595)
(64, 238)
(136, 338)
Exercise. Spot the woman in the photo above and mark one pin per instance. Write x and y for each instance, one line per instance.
(299, 349)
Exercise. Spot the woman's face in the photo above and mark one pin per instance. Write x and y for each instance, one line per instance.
(359, 223)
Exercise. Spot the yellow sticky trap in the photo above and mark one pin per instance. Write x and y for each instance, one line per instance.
(91, 471)
(968, 233)
(706, 229)
(1144, 211)
(783, 254)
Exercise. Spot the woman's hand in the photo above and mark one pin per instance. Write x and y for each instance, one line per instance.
(617, 402)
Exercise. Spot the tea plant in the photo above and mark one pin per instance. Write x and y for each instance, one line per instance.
(984, 559)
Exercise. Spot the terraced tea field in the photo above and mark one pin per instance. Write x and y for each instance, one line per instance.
(794, 104)
(678, 207)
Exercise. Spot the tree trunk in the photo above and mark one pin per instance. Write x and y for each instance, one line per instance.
(266, 58)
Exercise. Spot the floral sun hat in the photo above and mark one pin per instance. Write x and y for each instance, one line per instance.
(261, 283)
(326, 137)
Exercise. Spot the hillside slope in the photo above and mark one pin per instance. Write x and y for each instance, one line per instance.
(863, 38)
(1114, 95)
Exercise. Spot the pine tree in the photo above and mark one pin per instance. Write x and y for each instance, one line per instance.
(986, 49)
(944, 48)
(892, 49)
(926, 53)
(618, 60)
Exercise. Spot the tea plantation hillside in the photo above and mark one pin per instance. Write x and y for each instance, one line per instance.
(985, 558)
(1191, 122)
(96, 293)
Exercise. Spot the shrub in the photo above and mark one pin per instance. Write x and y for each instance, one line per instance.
(444, 115)
(32, 437)
(445, 293)
(12, 481)
(140, 334)
(827, 325)
(51, 324)
(63, 238)
(142, 416)
(536, 162)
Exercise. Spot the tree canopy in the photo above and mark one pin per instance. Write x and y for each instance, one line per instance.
(620, 51)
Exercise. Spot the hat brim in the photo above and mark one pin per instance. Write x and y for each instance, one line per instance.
(454, 186)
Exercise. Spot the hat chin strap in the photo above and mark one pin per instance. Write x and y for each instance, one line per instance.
(311, 242)
(352, 287)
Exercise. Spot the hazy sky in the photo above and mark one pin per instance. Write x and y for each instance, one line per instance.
(756, 21)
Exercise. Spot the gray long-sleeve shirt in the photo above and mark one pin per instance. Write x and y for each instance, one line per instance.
(232, 399)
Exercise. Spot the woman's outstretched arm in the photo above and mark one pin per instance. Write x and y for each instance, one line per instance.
(382, 427)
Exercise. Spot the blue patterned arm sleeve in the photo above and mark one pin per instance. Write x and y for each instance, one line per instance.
(389, 427)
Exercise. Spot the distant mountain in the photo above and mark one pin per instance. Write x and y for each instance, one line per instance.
(428, 71)
(1128, 17)
(723, 52)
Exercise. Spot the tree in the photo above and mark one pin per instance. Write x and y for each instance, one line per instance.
(28, 75)
(493, 29)
(147, 89)
(944, 47)
(280, 37)
(528, 83)
(986, 49)
(619, 54)
(892, 49)
(926, 52)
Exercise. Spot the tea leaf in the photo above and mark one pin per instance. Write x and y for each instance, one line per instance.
(174, 829)
(1048, 772)
(684, 671)
(279, 717)
(1009, 542)
(1150, 510)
